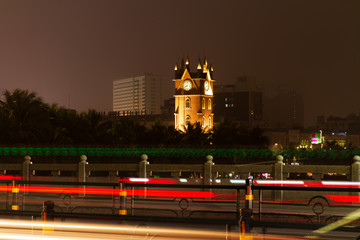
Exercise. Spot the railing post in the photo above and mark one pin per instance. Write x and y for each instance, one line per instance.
(26, 168)
(82, 169)
(355, 169)
(208, 170)
(25, 176)
(355, 173)
(82, 174)
(278, 175)
(142, 166)
(142, 171)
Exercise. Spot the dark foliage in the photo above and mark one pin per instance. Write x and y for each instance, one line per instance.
(26, 120)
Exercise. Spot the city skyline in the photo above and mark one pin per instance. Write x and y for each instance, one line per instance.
(70, 52)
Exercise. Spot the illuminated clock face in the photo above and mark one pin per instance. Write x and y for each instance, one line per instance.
(187, 85)
(206, 85)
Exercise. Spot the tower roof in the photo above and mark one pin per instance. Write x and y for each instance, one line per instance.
(202, 70)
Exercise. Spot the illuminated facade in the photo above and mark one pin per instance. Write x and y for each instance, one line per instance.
(193, 95)
(137, 95)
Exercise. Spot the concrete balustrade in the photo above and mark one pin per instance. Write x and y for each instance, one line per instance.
(209, 170)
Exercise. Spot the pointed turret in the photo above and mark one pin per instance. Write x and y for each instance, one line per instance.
(199, 65)
(211, 70)
(205, 67)
(182, 64)
(187, 64)
(176, 70)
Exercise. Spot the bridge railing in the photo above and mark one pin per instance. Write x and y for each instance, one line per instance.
(207, 172)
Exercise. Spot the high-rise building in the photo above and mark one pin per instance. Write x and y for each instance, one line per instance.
(138, 95)
(285, 110)
(240, 102)
(193, 95)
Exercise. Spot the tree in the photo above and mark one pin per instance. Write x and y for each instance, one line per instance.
(195, 135)
(226, 133)
(96, 127)
(128, 132)
(257, 138)
(26, 117)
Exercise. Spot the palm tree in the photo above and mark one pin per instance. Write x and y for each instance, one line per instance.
(27, 117)
(226, 133)
(60, 121)
(5, 133)
(157, 134)
(257, 138)
(96, 127)
(195, 135)
(128, 132)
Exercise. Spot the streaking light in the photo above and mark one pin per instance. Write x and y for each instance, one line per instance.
(76, 231)
(237, 181)
(109, 191)
(10, 177)
(279, 183)
(344, 198)
(148, 180)
(138, 179)
(341, 184)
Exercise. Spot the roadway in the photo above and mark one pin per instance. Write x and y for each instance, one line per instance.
(189, 205)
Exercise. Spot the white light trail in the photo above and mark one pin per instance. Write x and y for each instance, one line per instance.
(237, 181)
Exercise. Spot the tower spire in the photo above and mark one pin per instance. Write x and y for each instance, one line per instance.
(205, 68)
(182, 64)
(199, 65)
(187, 63)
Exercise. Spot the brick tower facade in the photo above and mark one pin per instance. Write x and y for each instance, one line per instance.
(194, 95)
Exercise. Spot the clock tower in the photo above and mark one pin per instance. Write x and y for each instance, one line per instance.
(194, 95)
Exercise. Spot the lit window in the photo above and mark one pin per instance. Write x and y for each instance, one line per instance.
(187, 102)
(203, 103)
(226, 105)
(209, 104)
(203, 122)
(209, 122)
(187, 120)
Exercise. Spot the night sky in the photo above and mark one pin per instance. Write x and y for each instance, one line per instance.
(70, 51)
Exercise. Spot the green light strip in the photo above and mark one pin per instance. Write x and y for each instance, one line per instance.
(240, 153)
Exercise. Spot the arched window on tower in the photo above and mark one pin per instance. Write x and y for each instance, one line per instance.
(187, 102)
(187, 120)
(203, 122)
(209, 104)
(203, 103)
(209, 122)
